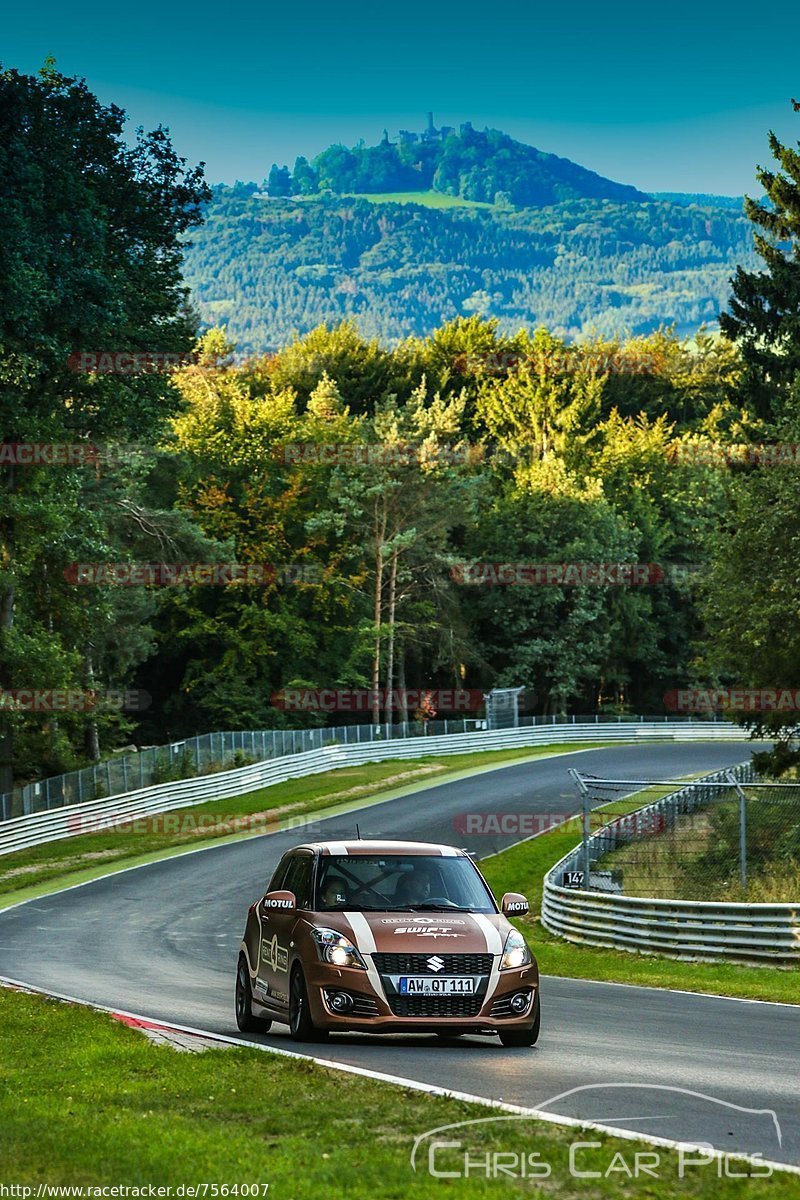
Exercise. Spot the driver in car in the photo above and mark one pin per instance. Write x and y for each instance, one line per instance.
(334, 893)
(417, 887)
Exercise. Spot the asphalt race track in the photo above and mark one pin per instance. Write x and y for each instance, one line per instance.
(162, 941)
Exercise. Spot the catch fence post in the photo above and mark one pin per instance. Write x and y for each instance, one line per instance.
(742, 828)
(585, 799)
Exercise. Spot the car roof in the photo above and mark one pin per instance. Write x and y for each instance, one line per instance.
(365, 847)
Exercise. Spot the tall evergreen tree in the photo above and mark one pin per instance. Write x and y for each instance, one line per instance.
(764, 312)
(90, 260)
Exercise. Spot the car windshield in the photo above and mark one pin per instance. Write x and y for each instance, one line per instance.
(401, 883)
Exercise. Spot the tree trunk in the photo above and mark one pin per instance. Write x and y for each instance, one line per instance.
(91, 735)
(379, 533)
(390, 650)
(401, 683)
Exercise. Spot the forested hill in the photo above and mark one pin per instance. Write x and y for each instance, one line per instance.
(401, 265)
(485, 166)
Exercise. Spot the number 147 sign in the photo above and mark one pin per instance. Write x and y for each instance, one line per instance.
(572, 879)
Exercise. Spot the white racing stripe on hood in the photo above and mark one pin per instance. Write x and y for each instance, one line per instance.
(365, 942)
(494, 942)
(494, 946)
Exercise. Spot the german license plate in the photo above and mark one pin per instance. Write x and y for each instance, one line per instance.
(423, 985)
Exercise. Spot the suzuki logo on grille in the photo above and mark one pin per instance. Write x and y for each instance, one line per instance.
(435, 963)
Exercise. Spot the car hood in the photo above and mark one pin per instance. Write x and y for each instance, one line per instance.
(421, 933)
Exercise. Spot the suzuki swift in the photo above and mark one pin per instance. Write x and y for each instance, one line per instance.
(386, 937)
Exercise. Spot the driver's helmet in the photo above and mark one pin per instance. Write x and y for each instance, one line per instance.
(334, 891)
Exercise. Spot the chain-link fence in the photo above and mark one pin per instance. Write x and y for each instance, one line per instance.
(220, 751)
(202, 755)
(729, 837)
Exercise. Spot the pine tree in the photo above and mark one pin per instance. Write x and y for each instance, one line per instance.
(764, 315)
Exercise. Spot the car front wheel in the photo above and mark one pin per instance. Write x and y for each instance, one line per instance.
(245, 1020)
(525, 1037)
(301, 1025)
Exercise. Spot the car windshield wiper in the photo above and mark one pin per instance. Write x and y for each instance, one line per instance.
(446, 908)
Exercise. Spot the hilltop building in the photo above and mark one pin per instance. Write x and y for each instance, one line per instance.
(430, 134)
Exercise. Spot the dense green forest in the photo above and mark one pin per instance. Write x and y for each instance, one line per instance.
(268, 267)
(704, 199)
(370, 479)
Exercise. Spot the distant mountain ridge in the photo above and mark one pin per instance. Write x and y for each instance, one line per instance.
(704, 199)
(486, 166)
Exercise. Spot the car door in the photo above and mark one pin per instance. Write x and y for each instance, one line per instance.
(277, 927)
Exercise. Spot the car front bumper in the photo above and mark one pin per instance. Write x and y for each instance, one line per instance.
(375, 1009)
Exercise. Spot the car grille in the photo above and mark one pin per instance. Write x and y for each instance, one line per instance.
(435, 1006)
(417, 964)
(502, 1007)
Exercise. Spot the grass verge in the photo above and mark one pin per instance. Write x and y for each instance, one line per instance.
(29, 873)
(522, 868)
(429, 199)
(89, 1102)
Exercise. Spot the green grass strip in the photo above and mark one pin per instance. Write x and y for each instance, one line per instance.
(89, 1102)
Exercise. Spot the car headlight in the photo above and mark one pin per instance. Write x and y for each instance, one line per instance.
(515, 952)
(333, 947)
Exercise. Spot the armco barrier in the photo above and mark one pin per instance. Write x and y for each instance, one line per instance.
(22, 832)
(680, 928)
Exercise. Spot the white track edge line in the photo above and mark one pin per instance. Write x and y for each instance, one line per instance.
(643, 987)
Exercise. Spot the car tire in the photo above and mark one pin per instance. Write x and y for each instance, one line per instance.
(245, 1020)
(301, 1024)
(525, 1037)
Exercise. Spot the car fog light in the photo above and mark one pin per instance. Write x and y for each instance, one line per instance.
(340, 1002)
(520, 1002)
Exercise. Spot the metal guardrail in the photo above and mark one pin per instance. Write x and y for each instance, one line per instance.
(195, 756)
(679, 928)
(68, 821)
(214, 751)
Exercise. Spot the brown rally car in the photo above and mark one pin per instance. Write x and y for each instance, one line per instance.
(385, 937)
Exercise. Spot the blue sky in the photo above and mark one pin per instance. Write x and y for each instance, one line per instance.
(672, 98)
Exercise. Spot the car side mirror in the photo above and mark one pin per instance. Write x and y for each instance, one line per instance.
(514, 905)
(279, 902)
